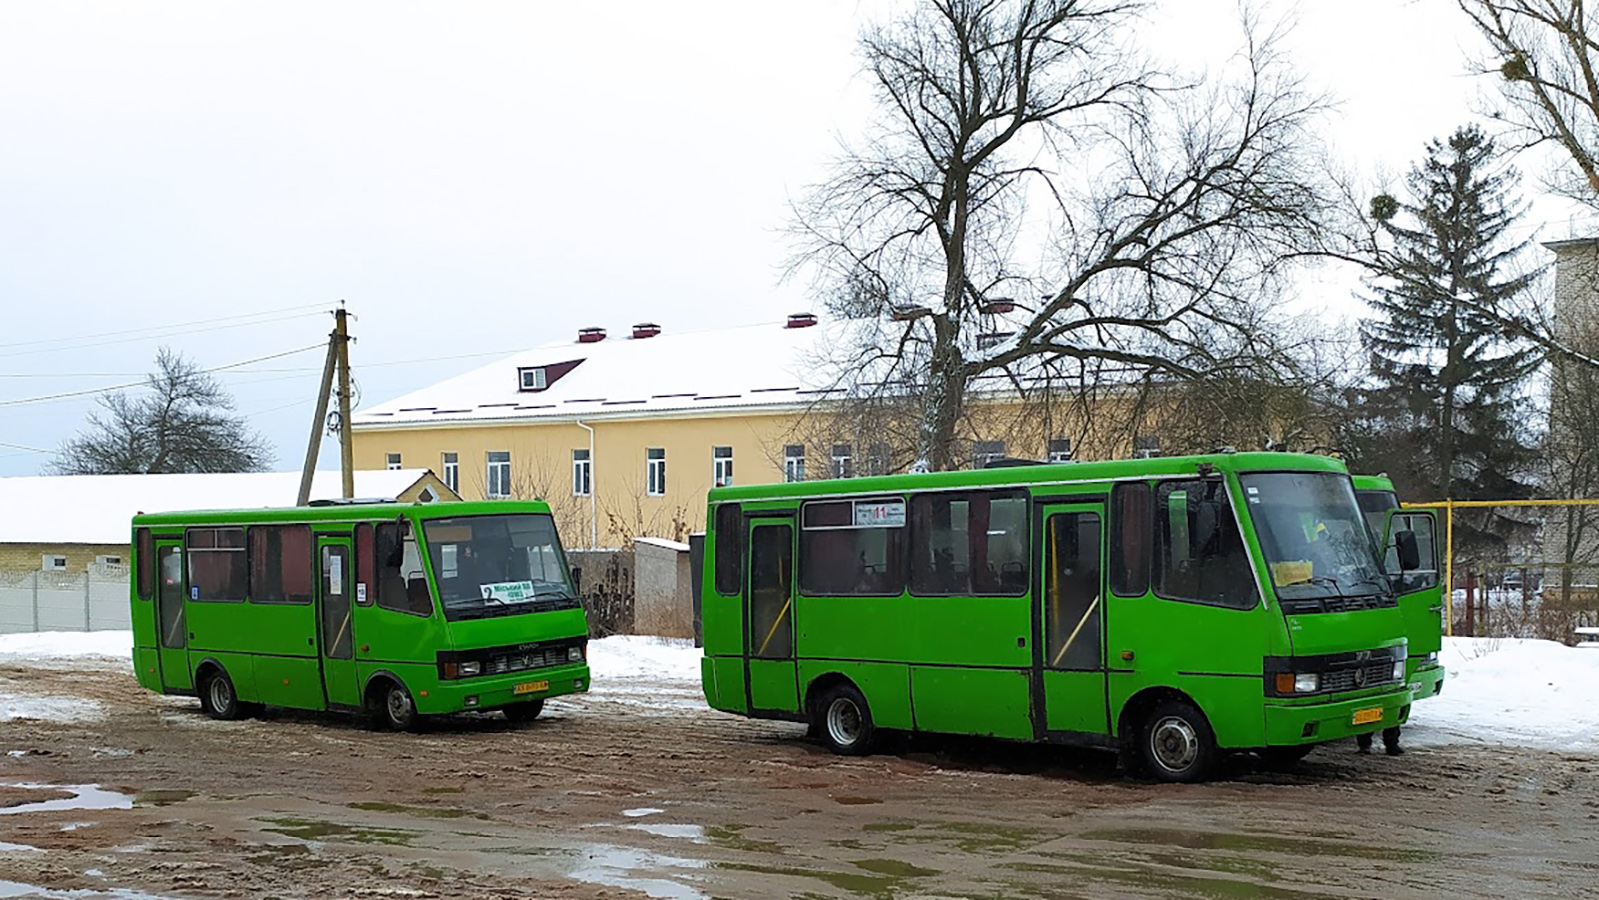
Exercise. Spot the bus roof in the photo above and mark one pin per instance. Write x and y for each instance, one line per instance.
(1048, 473)
(1373, 483)
(337, 512)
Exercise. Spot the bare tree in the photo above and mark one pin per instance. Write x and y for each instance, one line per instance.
(1036, 201)
(180, 422)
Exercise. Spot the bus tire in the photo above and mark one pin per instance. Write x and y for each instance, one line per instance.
(396, 711)
(218, 697)
(522, 713)
(844, 721)
(1176, 743)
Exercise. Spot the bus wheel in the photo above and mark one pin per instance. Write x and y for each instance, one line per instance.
(844, 721)
(1176, 744)
(218, 698)
(397, 711)
(522, 713)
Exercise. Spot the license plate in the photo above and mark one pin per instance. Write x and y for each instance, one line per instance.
(529, 687)
(1367, 716)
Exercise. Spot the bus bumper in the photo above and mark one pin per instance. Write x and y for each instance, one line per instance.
(1310, 722)
(501, 690)
(1427, 680)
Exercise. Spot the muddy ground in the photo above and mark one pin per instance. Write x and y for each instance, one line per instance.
(639, 790)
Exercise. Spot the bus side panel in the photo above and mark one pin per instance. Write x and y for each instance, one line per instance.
(846, 628)
(774, 685)
(972, 701)
(723, 681)
(147, 666)
(1153, 642)
(886, 687)
(722, 619)
(288, 681)
(1233, 706)
(276, 629)
(968, 631)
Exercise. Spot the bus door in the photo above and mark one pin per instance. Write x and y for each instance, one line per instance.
(1420, 589)
(771, 674)
(1069, 612)
(334, 605)
(172, 620)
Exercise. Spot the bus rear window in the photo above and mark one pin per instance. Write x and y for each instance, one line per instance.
(729, 548)
(144, 563)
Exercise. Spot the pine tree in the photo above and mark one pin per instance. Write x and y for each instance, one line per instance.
(1445, 407)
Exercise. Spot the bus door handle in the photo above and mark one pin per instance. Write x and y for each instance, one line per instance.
(1127, 656)
(366, 648)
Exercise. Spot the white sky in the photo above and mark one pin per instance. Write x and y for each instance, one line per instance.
(477, 178)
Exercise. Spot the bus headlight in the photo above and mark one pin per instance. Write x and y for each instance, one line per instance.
(574, 653)
(1306, 683)
(1399, 670)
(468, 669)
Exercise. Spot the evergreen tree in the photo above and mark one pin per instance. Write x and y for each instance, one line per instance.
(1445, 408)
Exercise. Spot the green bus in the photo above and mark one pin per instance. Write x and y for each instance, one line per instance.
(394, 611)
(1421, 592)
(1171, 608)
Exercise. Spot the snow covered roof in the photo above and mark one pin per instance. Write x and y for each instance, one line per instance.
(97, 509)
(726, 368)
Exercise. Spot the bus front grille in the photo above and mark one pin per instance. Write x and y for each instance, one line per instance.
(1372, 675)
(532, 659)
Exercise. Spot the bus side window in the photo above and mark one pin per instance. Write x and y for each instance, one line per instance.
(1130, 539)
(366, 592)
(1201, 553)
(144, 563)
(401, 585)
(729, 548)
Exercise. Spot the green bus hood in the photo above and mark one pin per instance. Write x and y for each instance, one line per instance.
(501, 631)
(1367, 629)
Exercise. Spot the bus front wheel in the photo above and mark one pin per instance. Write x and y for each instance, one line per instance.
(845, 721)
(396, 711)
(1176, 743)
(218, 698)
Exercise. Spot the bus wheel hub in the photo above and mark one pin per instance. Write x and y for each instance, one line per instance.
(1174, 742)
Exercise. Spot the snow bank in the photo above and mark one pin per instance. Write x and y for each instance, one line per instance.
(48, 709)
(66, 645)
(1512, 691)
(635, 656)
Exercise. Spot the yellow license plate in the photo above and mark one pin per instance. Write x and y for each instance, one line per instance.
(1367, 716)
(529, 687)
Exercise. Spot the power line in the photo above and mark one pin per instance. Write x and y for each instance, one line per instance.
(23, 447)
(117, 387)
(163, 335)
(149, 328)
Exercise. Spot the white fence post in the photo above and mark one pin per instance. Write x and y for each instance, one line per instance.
(86, 586)
(35, 601)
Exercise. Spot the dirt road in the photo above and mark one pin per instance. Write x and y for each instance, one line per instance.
(638, 790)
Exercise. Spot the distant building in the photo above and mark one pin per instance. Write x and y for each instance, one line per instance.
(623, 435)
(1571, 534)
(68, 523)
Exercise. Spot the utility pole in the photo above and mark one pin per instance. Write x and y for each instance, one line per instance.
(338, 358)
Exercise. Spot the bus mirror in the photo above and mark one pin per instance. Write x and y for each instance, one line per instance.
(577, 579)
(404, 525)
(1409, 552)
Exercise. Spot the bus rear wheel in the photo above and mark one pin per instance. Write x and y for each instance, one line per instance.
(844, 721)
(522, 713)
(1176, 743)
(218, 697)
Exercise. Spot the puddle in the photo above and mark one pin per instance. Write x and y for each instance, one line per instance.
(34, 892)
(430, 812)
(315, 830)
(732, 837)
(619, 867)
(870, 885)
(161, 797)
(695, 833)
(641, 811)
(84, 796)
(1256, 843)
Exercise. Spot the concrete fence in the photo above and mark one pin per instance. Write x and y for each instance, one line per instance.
(93, 600)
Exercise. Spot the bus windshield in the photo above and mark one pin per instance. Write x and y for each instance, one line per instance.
(1313, 535)
(498, 565)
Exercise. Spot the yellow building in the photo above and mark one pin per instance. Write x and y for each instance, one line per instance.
(623, 435)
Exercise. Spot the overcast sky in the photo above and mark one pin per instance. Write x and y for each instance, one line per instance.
(475, 178)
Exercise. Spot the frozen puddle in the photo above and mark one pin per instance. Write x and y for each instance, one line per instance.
(33, 892)
(620, 867)
(641, 811)
(84, 796)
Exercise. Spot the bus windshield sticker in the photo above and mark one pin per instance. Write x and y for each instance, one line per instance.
(880, 514)
(509, 590)
(360, 592)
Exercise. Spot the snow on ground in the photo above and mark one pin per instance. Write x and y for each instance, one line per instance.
(1499, 690)
(1512, 691)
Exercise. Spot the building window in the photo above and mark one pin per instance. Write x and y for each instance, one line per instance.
(50, 562)
(985, 452)
(655, 471)
(721, 466)
(533, 379)
(1060, 450)
(842, 467)
(393, 461)
(794, 462)
(877, 459)
(1146, 447)
(452, 472)
(582, 473)
(499, 475)
(108, 560)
